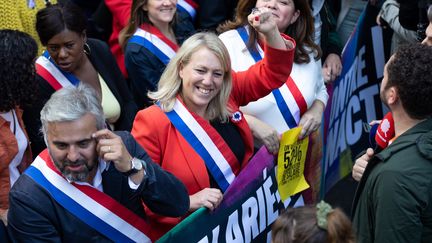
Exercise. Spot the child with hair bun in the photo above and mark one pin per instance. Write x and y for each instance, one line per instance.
(313, 224)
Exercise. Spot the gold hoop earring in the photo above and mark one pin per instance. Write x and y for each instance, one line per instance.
(86, 48)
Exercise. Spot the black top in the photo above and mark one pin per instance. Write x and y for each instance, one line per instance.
(212, 13)
(232, 137)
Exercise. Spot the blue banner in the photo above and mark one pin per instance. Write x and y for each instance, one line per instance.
(354, 98)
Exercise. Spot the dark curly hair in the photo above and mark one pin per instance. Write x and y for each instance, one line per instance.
(17, 71)
(410, 72)
(303, 30)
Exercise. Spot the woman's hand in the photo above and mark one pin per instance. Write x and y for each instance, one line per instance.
(264, 133)
(262, 20)
(207, 197)
(311, 119)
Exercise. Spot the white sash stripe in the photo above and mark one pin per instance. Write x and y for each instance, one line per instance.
(245, 49)
(88, 203)
(285, 92)
(206, 141)
(291, 102)
(53, 70)
(160, 44)
(187, 7)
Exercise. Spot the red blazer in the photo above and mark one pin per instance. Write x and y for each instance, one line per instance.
(120, 11)
(167, 147)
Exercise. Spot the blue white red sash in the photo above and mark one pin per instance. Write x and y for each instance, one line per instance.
(93, 207)
(56, 77)
(289, 98)
(152, 39)
(188, 6)
(207, 142)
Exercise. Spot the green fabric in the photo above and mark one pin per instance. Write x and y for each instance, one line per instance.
(395, 204)
(330, 41)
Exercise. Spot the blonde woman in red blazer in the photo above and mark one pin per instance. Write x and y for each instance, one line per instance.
(199, 78)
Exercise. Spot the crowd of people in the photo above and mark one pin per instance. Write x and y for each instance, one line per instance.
(154, 115)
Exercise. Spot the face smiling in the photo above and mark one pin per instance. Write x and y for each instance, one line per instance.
(67, 49)
(72, 148)
(160, 11)
(284, 11)
(202, 79)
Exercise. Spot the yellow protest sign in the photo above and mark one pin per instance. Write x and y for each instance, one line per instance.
(291, 163)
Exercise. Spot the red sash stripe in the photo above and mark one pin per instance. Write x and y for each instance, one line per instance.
(105, 200)
(155, 31)
(298, 96)
(220, 143)
(48, 77)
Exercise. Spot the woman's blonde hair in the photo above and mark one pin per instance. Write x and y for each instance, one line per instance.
(170, 83)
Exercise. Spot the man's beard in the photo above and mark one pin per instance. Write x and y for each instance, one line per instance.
(74, 176)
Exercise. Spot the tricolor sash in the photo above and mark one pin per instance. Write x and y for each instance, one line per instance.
(289, 98)
(95, 208)
(152, 39)
(207, 142)
(56, 77)
(188, 6)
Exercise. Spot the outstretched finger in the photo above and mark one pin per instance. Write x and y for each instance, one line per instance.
(104, 134)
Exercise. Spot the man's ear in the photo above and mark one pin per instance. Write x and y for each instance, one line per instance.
(392, 95)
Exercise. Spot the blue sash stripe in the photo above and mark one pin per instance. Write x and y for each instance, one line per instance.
(180, 8)
(74, 208)
(245, 36)
(283, 108)
(74, 80)
(199, 148)
(152, 48)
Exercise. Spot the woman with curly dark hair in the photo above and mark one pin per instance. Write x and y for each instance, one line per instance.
(17, 81)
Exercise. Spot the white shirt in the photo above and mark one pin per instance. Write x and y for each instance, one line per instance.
(307, 77)
(316, 8)
(97, 180)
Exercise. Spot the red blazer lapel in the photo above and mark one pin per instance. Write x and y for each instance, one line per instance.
(194, 162)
